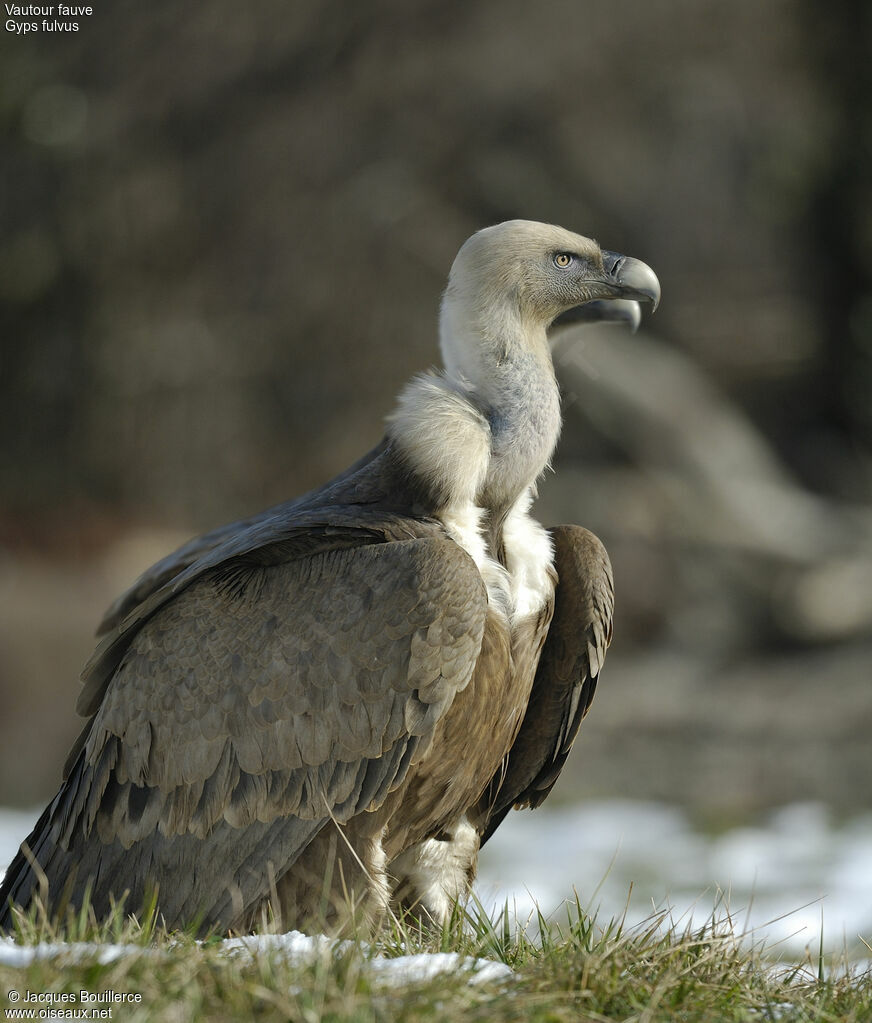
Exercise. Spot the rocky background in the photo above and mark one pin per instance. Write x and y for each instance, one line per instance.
(224, 230)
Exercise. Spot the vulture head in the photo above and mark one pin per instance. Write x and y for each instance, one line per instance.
(498, 402)
(510, 282)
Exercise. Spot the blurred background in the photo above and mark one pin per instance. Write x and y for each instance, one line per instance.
(224, 231)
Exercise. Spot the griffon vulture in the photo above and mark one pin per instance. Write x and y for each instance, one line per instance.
(347, 693)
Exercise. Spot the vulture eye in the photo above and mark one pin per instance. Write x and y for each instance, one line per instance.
(563, 260)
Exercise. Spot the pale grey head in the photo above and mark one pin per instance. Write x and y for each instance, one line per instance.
(511, 281)
(506, 287)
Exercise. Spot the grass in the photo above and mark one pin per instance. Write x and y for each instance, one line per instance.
(577, 969)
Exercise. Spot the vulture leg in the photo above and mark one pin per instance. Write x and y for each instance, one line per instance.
(342, 874)
(434, 875)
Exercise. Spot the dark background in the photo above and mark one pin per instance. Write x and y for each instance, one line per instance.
(224, 230)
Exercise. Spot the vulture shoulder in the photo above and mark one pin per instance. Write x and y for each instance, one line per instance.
(565, 680)
(345, 487)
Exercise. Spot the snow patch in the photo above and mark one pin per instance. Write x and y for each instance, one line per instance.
(295, 948)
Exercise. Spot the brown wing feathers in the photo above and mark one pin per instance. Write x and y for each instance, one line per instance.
(566, 677)
(340, 668)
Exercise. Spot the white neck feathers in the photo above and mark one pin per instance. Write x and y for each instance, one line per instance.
(444, 439)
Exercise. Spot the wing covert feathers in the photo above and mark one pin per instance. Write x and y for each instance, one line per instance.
(249, 709)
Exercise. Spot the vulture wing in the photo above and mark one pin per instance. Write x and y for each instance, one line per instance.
(243, 704)
(566, 677)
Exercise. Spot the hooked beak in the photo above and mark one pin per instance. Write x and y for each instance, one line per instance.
(630, 278)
